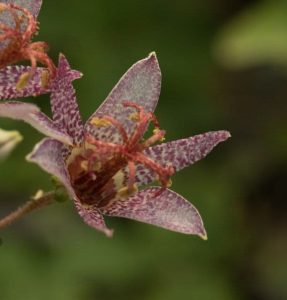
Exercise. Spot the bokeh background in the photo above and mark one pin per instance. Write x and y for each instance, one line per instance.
(224, 67)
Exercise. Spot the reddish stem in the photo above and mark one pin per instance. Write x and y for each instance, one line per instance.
(29, 206)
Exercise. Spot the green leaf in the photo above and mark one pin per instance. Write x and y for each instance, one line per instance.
(257, 36)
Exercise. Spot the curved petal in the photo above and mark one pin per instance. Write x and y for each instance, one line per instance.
(93, 218)
(180, 153)
(141, 85)
(163, 208)
(33, 6)
(9, 76)
(48, 155)
(66, 114)
(32, 115)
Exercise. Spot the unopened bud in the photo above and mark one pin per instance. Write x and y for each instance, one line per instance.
(39, 194)
(8, 141)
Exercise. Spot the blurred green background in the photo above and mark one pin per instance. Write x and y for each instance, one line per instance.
(224, 67)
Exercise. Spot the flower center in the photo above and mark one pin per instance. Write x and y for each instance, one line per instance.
(102, 171)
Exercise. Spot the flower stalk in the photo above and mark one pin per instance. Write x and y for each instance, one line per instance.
(38, 201)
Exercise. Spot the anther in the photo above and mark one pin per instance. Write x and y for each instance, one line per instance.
(134, 116)
(160, 133)
(126, 191)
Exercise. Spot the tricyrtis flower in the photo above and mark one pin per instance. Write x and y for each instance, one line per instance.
(8, 141)
(18, 24)
(106, 165)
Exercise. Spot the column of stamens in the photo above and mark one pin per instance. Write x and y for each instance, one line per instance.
(143, 119)
(132, 149)
(23, 49)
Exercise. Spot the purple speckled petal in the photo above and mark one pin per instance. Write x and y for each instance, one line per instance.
(32, 115)
(93, 218)
(141, 85)
(180, 153)
(48, 155)
(65, 109)
(33, 6)
(9, 77)
(166, 209)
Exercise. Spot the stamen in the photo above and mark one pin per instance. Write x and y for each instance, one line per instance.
(157, 136)
(119, 126)
(159, 132)
(106, 160)
(143, 119)
(126, 191)
(163, 172)
(111, 146)
(132, 174)
(106, 121)
(132, 150)
(142, 112)
(134, 116)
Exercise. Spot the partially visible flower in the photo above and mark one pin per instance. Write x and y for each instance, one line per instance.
(106, 165)
(8, 141)
(18, 24)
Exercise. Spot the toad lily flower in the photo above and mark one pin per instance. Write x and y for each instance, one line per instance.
(105, 165)
(18, 24)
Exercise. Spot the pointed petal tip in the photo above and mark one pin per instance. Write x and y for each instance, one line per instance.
(152, 55)
(61, 56)
(76, 74)
(152, 58)
(28, 157)
(222, 134)
(227, 134)
(64, 63)
(203, 235)
(109, 233)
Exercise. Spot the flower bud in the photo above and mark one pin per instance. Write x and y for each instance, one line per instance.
(8, 141)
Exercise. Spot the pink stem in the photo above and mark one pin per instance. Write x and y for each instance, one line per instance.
(29, 206)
